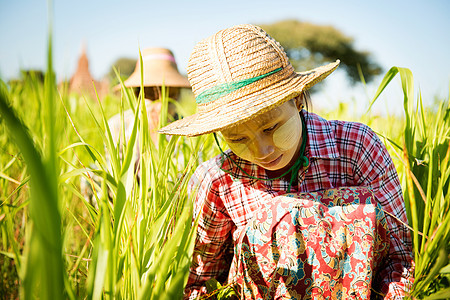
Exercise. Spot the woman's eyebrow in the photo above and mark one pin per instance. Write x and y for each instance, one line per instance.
(269, 118)
(232, 135)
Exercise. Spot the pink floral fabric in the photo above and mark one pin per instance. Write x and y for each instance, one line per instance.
(318, 245)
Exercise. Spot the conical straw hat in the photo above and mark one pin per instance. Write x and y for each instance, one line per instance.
(160, 69)
(238, 74)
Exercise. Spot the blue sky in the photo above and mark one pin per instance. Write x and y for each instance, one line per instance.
(413, 34)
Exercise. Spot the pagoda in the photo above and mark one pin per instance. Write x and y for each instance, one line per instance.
(82, 83)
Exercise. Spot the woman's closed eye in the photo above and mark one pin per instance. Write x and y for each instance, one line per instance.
(271, 128)
(237, 140)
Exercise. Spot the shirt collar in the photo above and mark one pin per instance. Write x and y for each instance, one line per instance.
(321, 138)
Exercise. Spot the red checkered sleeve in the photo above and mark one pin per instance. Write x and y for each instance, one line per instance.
(376, 169)
(214, 230)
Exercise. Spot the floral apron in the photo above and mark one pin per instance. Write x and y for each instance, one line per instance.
(320, 245)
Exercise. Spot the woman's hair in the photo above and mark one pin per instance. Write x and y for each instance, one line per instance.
(304, 98)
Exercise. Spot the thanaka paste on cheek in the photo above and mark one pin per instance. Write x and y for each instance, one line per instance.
(287, 135)
(241, 150)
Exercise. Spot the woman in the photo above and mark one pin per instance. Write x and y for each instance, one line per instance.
(297, 201)
(159, 69)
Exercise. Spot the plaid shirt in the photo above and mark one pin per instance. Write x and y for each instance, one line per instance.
(340, 154)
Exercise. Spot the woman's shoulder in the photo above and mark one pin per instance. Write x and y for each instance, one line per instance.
(341, 129)
(210, 171)
(211, 166)
(317, 120)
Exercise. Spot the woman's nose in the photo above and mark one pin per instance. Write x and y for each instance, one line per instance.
(262, 147)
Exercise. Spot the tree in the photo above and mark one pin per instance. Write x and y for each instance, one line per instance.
(124, 66)
(308, 46)
(38, 75)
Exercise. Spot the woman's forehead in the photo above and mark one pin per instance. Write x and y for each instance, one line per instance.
(270, 115)
(265, 118)
(284, 110)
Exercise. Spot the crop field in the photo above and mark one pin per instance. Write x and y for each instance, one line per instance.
(131, 236)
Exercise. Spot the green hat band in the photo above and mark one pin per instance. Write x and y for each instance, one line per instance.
(223, 89)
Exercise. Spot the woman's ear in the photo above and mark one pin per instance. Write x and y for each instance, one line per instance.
(299, 102)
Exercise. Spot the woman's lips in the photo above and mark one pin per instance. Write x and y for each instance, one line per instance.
(271, 163)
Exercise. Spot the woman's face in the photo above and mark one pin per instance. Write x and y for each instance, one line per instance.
(271, 140)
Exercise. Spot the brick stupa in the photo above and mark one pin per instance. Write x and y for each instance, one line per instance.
(82, 82)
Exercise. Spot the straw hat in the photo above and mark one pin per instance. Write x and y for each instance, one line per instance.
(160, 69)
(238, 74)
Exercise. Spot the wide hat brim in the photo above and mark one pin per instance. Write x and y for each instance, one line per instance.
(159, 69)
(157, 75)
(248, 102)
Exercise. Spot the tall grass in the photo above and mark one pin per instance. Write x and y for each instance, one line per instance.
(42, 266)
(136, 243)
(424, 152)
